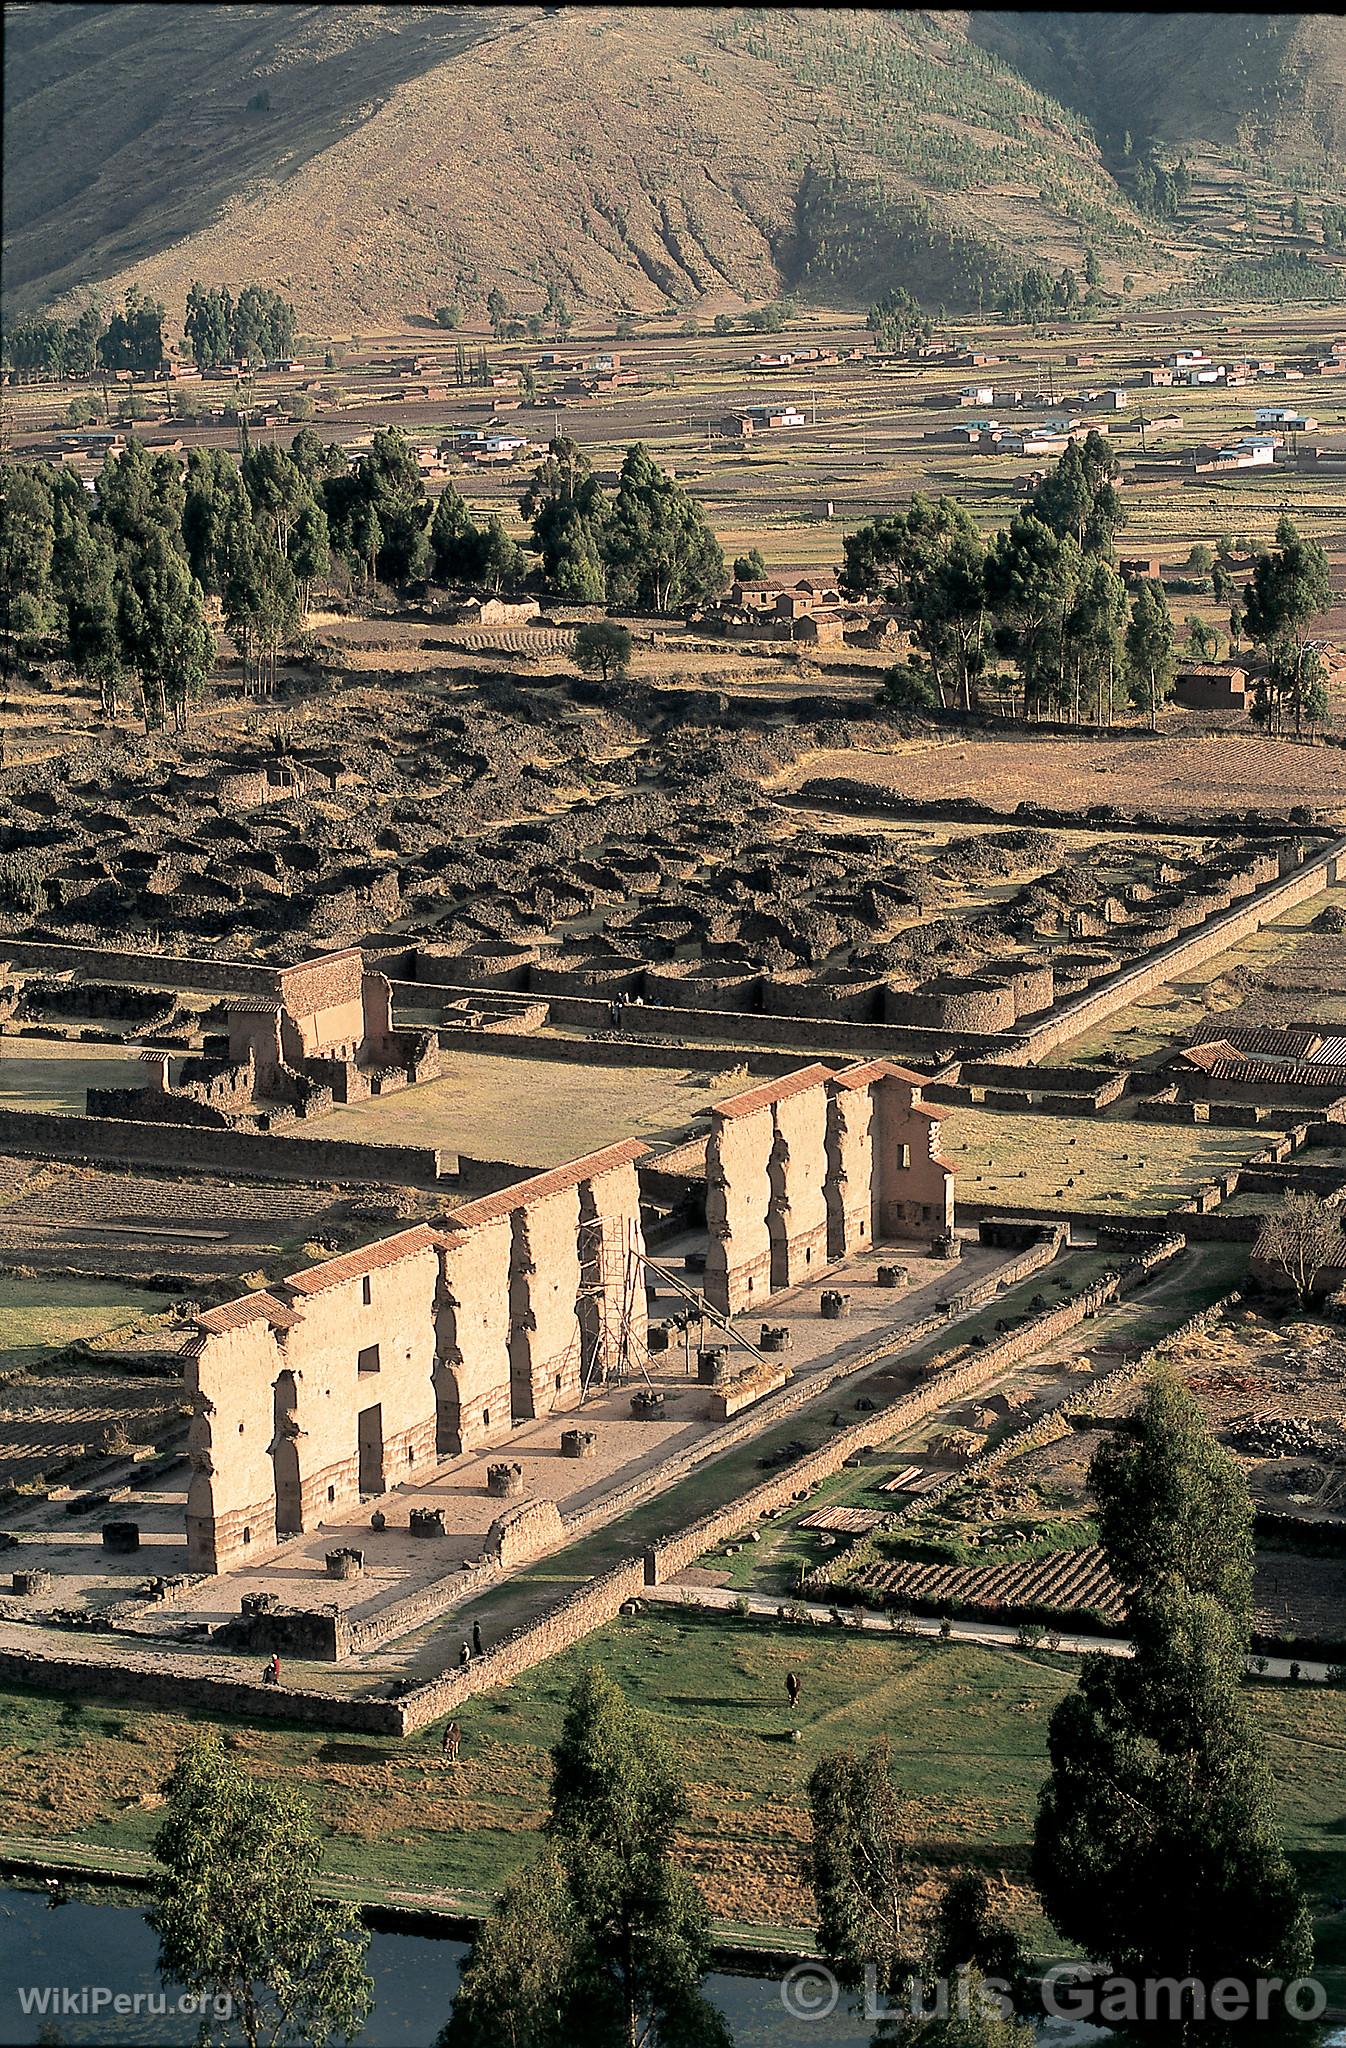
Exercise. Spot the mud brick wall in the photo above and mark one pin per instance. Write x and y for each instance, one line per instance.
(117, 1141)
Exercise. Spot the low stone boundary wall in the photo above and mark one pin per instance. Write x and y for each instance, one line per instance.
(1045, 1429)
(572, 1619)
(145, 969)
(117, 1141)
(172, 1683)
(1078, 1013)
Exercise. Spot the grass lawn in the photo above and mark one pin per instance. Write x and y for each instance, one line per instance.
(55, 1077)
(1123, 1167)
(41, 1316)
(968, 1727)
(533, 1112)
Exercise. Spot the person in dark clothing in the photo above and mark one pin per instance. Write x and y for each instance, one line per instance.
(476, 1639)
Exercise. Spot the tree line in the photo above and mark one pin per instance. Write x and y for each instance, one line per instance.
(220, 328)
(116, 582)
(1156, 1850)
(1045, 593)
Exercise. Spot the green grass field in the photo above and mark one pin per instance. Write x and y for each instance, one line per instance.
(967, 1724)
(38, 1317)
(1122, 1167)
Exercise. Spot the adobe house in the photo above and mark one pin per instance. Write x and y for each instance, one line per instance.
(814, 1167)
(1211, 686)
(363, 1373)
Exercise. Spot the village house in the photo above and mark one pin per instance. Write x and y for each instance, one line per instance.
(760, 419)
(1287, 417)
(1211, 686)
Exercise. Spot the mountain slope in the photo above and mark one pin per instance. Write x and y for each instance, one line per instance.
(1271, 84)
(636, 156)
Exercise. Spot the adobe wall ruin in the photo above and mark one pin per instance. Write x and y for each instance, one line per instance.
(811, 1168)
(360, 1374)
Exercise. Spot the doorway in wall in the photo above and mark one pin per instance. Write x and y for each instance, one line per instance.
(369, 1441)
(285, 1457)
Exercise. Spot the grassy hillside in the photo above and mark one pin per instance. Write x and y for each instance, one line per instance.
(1272, 86)
(372, 161)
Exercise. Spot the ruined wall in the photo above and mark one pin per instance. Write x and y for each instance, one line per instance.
(813, 1167)
(118, 1141)
(849, 1185)
(360, 1374)
(738, 1166)
(363, 1356)
(325, 1001)
(797, 1170)
(544, 1288)
(231, 1496)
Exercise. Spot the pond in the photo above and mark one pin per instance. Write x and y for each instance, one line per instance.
(46, 1952)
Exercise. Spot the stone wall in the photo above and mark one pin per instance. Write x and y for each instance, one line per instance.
(118, 1141)
(173, 1683)
(801, 1170)
(671, 1556)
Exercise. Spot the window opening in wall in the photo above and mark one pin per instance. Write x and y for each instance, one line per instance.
(247, 1535)
(485, 1418)
(904, 1155)
(331, 1493)
(369, 1358)
(367, 1290)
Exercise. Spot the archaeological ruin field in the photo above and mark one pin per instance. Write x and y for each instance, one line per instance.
(501, 1167)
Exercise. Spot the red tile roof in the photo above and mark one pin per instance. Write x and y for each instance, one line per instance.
(489, 1208)
(252, 1308)
(388, 1251)
(877, 1070)
(762, 1097)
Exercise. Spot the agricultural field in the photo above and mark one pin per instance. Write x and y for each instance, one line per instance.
(39, 1318)
(1183, 777)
